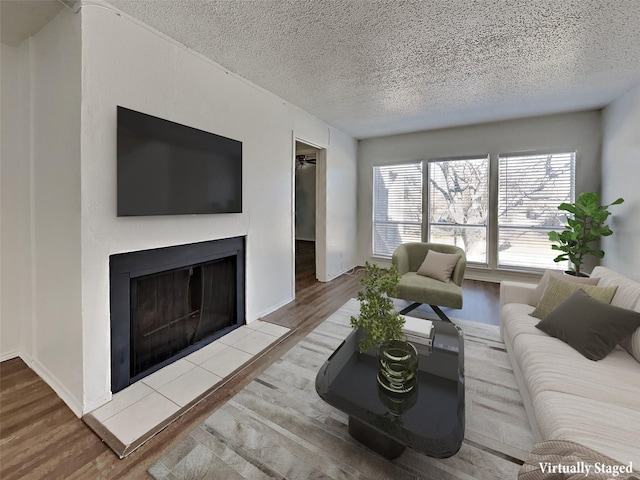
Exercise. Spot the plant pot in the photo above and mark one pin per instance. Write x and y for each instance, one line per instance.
(397, 366)
(574, 274)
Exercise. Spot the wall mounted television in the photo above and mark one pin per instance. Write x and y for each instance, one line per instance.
(164, 168)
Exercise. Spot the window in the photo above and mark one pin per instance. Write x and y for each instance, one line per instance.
(507, 228)
(530, 188)
(397, 207)
(459, 204)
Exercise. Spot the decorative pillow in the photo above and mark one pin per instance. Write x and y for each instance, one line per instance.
(558, 290)
(439, 265)
(542, 284)
(590, 326)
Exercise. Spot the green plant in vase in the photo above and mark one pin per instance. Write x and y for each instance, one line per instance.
(378, 319)
(381, 327)
(586, 225)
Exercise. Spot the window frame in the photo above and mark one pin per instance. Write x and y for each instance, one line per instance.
(492, 220)
(531, 153)
(427, 193)
(374, 204)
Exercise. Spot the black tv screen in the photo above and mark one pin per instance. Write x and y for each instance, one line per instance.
(165, 168)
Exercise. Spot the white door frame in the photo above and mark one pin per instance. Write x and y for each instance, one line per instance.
(321, 211)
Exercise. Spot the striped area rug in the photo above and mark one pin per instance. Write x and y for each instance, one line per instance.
(278, 427)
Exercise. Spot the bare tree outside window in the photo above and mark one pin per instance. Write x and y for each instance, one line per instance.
(530, 187)
(459, 205)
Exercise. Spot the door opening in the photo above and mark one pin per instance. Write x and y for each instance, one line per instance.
(306, 158)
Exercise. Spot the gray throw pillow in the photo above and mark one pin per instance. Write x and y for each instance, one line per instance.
(559, 290)
(544, 281)
(439, 265)
(590, 326)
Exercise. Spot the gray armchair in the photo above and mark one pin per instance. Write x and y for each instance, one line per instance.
(420, 289)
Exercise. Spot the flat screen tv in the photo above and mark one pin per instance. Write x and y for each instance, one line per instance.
(165, 168)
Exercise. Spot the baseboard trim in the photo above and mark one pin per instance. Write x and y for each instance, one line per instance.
(48, 378)
(334, 276)
(62, 391)
(10, 355)
(273, 308)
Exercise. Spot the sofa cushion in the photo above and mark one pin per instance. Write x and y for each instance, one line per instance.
(559, 290)
(627, 296)
(590, 422)
(515, 319)
(548, 364)
(439, 265)
(590, 326)
(544, 281)
(632, 344)
(628, 292)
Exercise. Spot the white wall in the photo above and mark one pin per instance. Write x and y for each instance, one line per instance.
(145, 71)
(573, 131)
(342, 205)
(55, 156)
(620, 174)
(15, 243)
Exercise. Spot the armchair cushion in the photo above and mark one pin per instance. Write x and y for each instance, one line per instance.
(439, 265)
(420, 289)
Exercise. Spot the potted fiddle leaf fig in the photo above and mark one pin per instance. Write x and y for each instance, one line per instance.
(585, 224)
(381, 327)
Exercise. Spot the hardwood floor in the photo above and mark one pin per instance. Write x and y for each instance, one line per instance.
(41, 438)
(481, 303)
(481, 299)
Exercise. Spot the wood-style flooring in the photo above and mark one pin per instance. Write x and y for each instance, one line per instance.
(41, 438)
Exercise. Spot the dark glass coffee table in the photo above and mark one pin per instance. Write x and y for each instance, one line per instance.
(429, 419)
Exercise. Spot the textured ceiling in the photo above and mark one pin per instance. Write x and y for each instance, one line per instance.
(380, 67)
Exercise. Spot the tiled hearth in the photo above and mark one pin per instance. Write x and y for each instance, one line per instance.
(141, 410)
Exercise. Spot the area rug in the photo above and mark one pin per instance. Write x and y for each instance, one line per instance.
(278, 427)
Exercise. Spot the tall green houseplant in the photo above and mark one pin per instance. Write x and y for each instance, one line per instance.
(585, 225)
(377, 317)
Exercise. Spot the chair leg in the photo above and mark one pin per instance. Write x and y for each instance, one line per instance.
(440, 313)
(408, 309)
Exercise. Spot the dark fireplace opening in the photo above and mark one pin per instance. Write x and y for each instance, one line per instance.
(170, 311)
(169, 302)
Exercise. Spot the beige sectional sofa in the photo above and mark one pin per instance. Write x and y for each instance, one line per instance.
(567, 396)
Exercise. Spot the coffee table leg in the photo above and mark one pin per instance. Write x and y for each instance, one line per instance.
(375, 440)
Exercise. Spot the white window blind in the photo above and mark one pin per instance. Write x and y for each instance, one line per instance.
(397, 206)
(459, 204)
(530, 188)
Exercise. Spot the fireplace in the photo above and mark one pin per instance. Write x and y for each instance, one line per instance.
(169, 302)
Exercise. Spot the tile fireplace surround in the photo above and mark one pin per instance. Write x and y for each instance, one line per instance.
(138, 412)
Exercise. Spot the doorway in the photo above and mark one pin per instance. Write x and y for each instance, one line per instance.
(306, 159)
